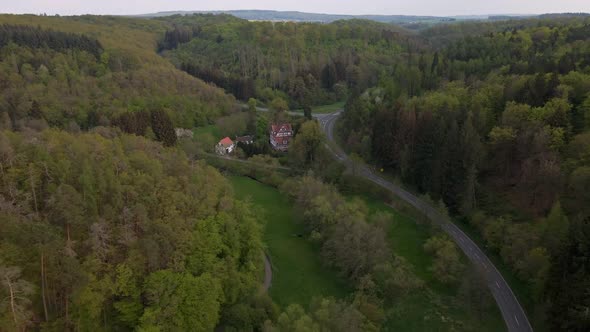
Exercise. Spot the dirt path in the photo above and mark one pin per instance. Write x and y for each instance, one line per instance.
(267, 272)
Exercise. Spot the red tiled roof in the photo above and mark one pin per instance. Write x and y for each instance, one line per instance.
(226, 141)
(278, 127)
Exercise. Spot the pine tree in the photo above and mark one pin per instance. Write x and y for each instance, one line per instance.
(163, 128)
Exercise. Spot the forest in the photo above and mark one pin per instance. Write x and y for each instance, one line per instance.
(502, 140)
(75, 82)
(108, 222)
(306, 64)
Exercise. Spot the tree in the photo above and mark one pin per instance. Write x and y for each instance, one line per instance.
(5, 122)
(163, 128)
(307, 112)
(252, 116)
(293, 319)
(569, 281)
(354, 246)
(475, 293)
(251, 314)
(15, 298)
(279, 104)
(329, 76)
(555, 228)
(181, 302)
(66, 207)
(396, 278)
(306, 144)
(128, 304)
(334, 315)
(534, 268)
(234, 124)
(262, 128)
(447, 265)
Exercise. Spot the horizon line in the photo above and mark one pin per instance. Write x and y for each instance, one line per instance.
(291, 11)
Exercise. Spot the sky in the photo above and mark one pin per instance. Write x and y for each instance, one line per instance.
(390, 7)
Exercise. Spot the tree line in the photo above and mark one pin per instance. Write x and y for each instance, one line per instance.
(36, 37)
(307, 64)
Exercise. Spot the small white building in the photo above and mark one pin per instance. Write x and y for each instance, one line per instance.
(225, 146)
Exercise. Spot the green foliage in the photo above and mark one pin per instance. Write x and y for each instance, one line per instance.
(163, 128)
(278, 104)
(568, 281)
(447, 266)
(307, 144)
(87, 82)
(493, 119)
(326, 314)
(16, 299)
(118, 232)
(347, 241)
(181, 301)
(35, 37)
(298, 273)
(233, 125)
(310, 64)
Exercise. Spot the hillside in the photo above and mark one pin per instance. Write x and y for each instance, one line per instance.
(69, 87)
(501, 140)
(295, 16)
(109, 221)
(306, 64)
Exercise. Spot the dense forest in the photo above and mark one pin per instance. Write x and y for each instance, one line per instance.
(503, 140)
(120, 233)
(106, 231)
(307, 64)
(103, 229)
(76, 81)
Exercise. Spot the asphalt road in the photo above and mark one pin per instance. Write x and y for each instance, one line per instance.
(512, 312)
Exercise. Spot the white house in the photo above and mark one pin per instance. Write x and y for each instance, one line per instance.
(280, 136)
(225, 146)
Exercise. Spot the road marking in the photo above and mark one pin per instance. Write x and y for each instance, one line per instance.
(497, 284)
(517, 323)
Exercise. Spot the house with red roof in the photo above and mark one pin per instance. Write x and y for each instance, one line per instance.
(281, 136)
(225, 146)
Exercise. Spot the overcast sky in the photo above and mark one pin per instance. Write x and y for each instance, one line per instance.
(399, 7)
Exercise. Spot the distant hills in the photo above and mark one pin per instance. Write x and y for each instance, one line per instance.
(272, 15)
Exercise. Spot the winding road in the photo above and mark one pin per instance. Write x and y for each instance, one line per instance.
(512, 312)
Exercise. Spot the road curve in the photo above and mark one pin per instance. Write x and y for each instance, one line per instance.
(512, 312)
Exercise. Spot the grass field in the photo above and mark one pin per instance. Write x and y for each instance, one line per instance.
(436, 306)
(328, 108)
(210, 129)
(323, 109)
(298, 274)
